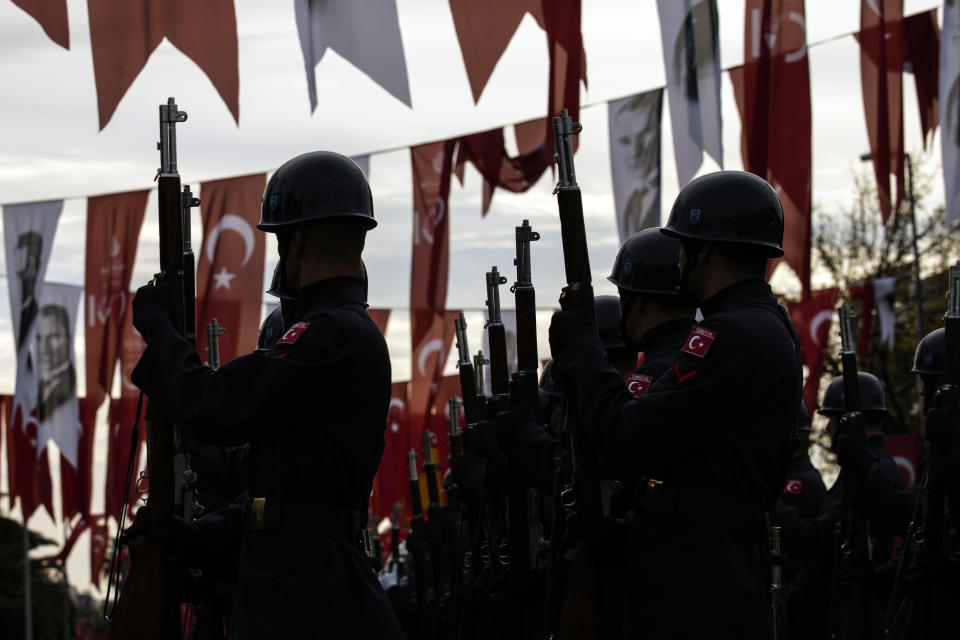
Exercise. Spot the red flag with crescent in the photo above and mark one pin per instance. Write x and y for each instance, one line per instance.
(429, 356)
(812, 319)
(390, 483)
(230, 264)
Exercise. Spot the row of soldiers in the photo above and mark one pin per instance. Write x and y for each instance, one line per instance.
(633, 494)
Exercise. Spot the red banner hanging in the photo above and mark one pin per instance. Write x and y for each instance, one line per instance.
(772, 90)
(206, 32)
(922, 37)
(390, 484)
(230, 264)
(120, 427)
(881, 66)
(380, 318)
(52, 17)
(812, 319)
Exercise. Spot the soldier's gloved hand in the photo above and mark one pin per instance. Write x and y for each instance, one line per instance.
(942, 426)
(853, 453)
(575, 323)
(154, 305)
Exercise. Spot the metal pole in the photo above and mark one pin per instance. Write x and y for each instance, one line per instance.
(918, 283)
(27, 604)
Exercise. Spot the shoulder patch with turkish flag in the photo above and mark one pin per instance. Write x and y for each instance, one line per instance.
(293, 333)
(699, 341)
(638, 384)
(794, 487)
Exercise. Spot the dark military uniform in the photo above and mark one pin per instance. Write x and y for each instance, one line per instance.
(313, 410)
(816, 541)
(710, 439)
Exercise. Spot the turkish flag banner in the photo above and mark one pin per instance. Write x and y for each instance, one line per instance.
(881, 67)
(429, 355)
(431, 234)
(922, 42)
(230, 264)
(206, 32)
(113, 227)
(390, 485)
(772, 91)
(812, 319)
(906, 450)
(99, 537)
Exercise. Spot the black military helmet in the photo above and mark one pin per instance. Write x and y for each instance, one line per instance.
(928, 361)
(872, 396)
(648, 262)
(316, 185)
(732, 207)
(607, 313)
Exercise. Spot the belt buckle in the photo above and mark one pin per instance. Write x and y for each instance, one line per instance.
(257, 506)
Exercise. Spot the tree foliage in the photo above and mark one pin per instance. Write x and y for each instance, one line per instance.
(853, 245)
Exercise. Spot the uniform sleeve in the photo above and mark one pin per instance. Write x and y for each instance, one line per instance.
(885, 500)
(659, 427)
(246, 397)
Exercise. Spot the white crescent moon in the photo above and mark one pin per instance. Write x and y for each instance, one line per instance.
(907, 466)
(398, 403)
(430, 347)
(231, 222)
(691, 345)
(820, 318)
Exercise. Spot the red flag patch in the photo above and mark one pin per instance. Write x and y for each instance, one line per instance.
(794, 487)
(293, 333)
(699, 341)
(639, 384)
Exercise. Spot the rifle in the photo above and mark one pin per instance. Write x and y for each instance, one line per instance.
(395, 541)
(416, 506)
(468, 383)
(584, 494)
(776, 577)
(482, 400)
(148, 606)
(522, 507)
(497, 337)
(456, 434)
(925, 535)
(855, 545)
(214, 331)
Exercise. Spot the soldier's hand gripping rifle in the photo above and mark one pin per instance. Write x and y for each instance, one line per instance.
(925, 536)
(854, 547)
(585, 492)
(149, 606)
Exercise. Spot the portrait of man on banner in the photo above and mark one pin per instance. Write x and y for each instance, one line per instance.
(57, 377)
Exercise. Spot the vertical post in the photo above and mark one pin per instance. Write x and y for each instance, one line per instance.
(917, 282)
(27, 604)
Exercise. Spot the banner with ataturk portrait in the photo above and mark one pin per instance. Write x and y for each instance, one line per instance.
(28, 231)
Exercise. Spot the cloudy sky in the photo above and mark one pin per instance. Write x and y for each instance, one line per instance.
(50, 146)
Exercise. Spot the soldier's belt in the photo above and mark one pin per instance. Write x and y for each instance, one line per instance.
(729, 515)
(303, 519)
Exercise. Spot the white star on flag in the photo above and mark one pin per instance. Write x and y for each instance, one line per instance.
(223, 278)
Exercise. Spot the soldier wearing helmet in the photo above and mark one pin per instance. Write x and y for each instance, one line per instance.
(813, 537)
(709, 441)
(312, 408)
